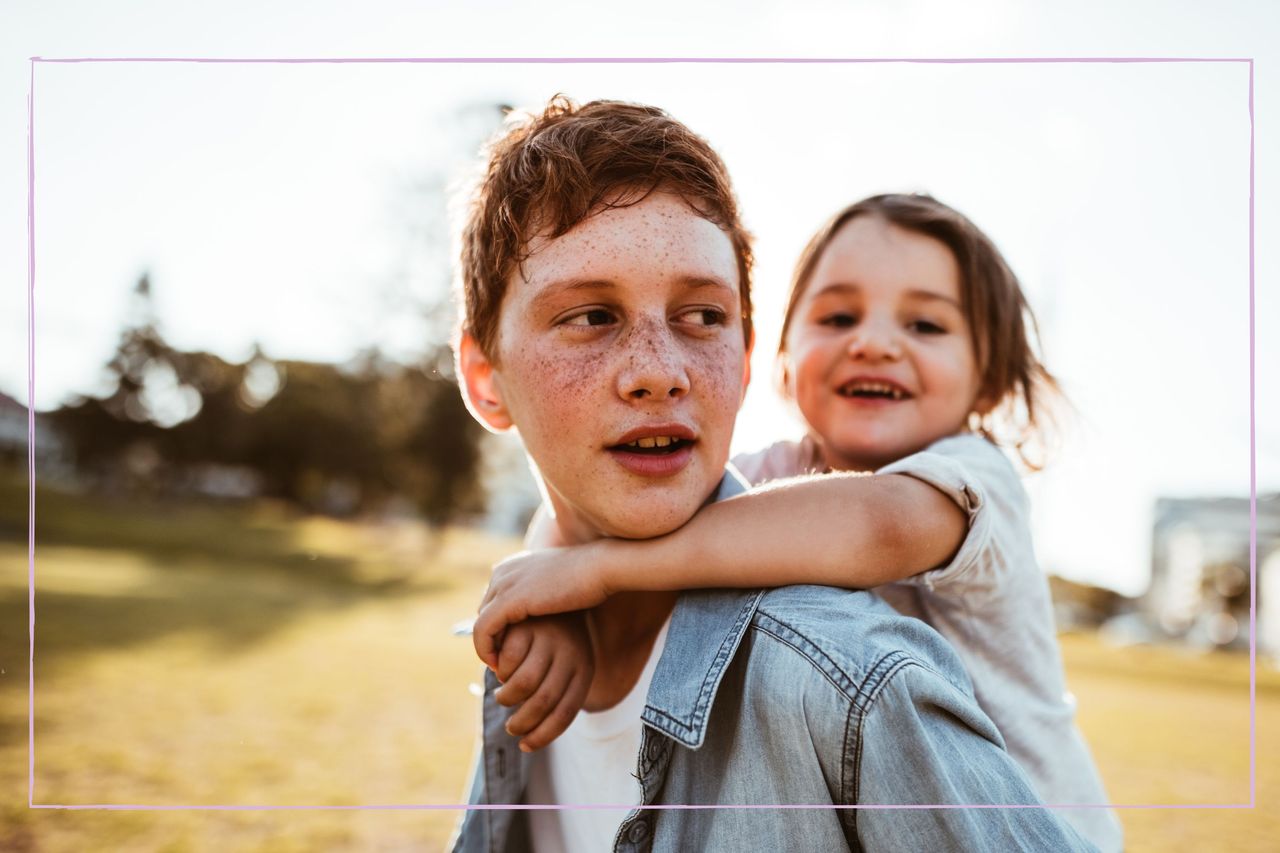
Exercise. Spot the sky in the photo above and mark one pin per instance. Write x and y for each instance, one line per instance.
(295, 207)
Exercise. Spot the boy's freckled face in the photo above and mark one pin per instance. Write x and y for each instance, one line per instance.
(621, 361)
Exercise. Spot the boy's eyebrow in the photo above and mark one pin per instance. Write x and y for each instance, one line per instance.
(558, 287)
(695, 282)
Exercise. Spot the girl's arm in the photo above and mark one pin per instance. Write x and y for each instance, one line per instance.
(846, 530)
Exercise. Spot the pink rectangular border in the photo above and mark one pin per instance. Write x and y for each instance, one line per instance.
(31, 507)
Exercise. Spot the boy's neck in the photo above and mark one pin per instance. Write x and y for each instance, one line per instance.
(623, 628)
(623, 631)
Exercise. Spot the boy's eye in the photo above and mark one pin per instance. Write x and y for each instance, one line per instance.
(593, 317)
(838, 319)
(704, 317)
(926, 327)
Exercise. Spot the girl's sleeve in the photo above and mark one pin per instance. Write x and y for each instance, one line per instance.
(976, 475)
(778, 461)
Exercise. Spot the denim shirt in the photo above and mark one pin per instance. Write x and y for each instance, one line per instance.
(805, 696)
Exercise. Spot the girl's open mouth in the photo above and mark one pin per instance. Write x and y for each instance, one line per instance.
(862, 389)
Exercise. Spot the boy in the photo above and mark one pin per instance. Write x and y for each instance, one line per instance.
(607, 317)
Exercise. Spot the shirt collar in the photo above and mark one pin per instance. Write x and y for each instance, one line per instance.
(706, 628)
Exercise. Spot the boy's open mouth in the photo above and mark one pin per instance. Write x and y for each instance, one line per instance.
(657, 445)
(871, 390)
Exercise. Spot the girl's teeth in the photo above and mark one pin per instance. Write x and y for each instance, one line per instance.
(875, 388)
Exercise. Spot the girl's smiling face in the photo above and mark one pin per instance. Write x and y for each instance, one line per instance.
(879, 356)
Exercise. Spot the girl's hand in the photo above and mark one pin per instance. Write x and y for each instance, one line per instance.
(537, 583)
(546, 663)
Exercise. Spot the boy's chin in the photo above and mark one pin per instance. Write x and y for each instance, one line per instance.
(650, 519)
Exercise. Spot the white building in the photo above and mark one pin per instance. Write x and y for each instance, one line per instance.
(1200, 571)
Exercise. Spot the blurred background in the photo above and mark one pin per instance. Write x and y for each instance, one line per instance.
(261, 507)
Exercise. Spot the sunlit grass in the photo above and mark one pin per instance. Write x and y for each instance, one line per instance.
(252, 657)
(1169, 726)
(263, 660)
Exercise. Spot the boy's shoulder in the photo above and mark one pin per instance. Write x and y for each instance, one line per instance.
(852, 634)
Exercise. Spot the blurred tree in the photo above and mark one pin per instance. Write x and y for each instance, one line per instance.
(104, 431)
(426, 425)
(331, 438)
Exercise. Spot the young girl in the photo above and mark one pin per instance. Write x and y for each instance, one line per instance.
(905, 345)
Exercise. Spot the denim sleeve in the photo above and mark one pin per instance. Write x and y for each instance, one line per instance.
(499, 775)
(922, 741)
(469, 834)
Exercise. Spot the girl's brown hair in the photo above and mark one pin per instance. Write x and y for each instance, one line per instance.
(1001, 325)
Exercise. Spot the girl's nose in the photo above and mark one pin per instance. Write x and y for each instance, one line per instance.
(653, 365)
(873, 342)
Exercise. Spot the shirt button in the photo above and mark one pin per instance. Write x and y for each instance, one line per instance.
(653, 749)
(639, 831)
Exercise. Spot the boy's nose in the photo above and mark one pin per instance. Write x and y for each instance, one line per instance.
(653, 367)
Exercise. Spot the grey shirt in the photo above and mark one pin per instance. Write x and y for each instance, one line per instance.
(991, 602)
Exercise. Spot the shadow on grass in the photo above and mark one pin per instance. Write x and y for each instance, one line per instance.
(230, 576)
(231, 614)
(168, 532)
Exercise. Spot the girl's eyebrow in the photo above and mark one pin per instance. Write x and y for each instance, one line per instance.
(931, 296)
(837, 286)
(917, 293)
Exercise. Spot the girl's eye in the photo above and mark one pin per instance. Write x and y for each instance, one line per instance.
(926, 327)
(839, 320)
(594, 317)
(705, 317)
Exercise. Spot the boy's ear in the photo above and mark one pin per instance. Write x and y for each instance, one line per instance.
(746, 369)
(480, 388)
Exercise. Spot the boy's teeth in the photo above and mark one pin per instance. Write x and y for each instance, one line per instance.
(652, 441)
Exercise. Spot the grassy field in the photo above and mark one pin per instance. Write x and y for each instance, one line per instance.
(203, 655)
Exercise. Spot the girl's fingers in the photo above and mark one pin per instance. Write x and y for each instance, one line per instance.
(491, 591)
(555, 722)
(485, 633)
(491, 625)
(544, 700)
(528, 674)
(514, 649)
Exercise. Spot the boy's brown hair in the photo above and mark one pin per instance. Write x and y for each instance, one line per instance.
(1001, 324)
(551, 171)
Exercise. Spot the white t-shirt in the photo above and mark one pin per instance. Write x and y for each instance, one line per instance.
(992, 604)
(594, 761)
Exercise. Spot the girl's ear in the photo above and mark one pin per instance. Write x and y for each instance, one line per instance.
(480, 386)
(782, 374)
(985, 403)
(746, 367)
